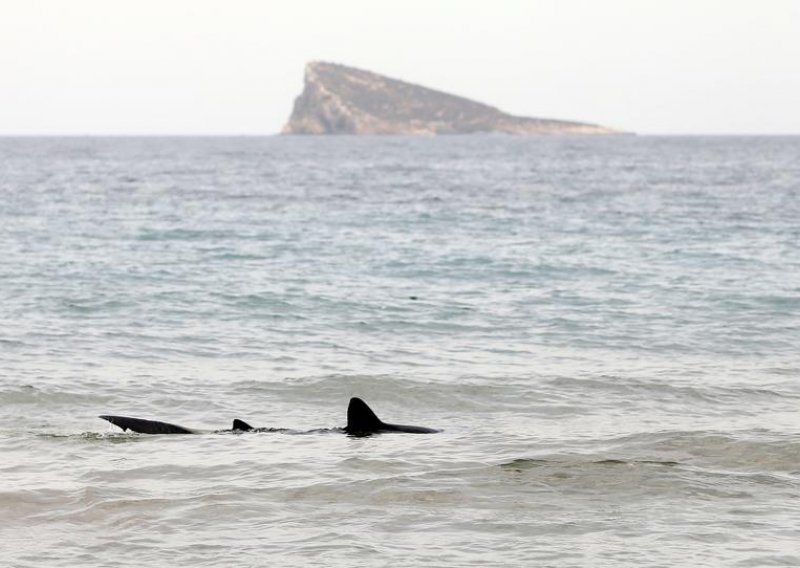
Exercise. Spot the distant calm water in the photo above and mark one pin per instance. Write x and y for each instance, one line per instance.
(607, 330)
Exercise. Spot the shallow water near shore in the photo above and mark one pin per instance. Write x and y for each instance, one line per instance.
(605, 328)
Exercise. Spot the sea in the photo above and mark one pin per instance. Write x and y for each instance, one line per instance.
(606, 329)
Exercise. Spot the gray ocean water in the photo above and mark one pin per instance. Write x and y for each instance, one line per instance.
(607, 330)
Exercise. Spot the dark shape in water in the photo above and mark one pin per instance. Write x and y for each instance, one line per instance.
(241, 425)
(146, 426)
(361, 421)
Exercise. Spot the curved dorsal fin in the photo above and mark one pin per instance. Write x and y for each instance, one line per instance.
(241, 425)
(361, 419)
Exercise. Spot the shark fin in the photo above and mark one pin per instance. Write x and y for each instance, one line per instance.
(361, 420)
(241, 425)
(146, 426)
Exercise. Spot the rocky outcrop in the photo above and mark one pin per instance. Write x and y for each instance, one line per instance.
(342, 100)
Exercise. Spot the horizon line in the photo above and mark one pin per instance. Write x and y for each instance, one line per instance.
(280, 135)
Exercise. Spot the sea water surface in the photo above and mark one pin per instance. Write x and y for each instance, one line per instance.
(607, 329)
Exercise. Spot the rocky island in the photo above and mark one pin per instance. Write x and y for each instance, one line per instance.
(337, 99)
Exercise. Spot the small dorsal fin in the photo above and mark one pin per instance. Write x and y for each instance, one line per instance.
(361, 419)
(241, 425)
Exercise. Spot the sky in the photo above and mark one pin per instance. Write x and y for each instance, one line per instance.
(86, 67)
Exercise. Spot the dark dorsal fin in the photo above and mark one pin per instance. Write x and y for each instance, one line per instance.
(362, 421)
(143, 426)
(241, 425)
(360, 418)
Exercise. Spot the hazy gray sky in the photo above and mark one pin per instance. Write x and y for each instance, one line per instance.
(235, 66)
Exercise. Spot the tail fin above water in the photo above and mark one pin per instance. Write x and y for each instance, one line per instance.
(143, 426)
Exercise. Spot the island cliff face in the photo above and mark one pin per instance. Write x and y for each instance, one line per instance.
(342, 100)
